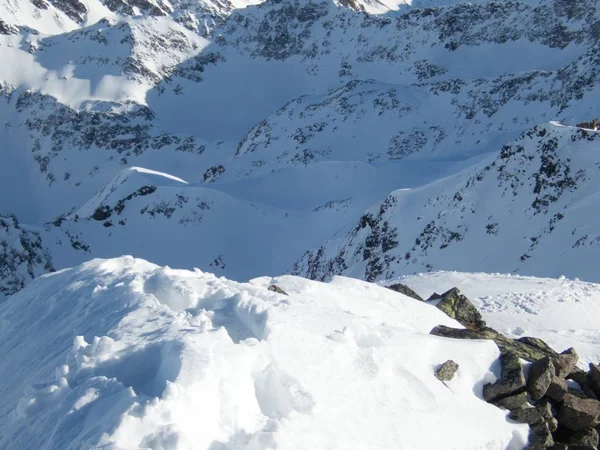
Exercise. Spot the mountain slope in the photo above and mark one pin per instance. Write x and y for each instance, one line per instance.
(528, 210)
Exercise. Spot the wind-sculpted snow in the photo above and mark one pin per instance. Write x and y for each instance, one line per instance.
(527, 210)
(125, 354)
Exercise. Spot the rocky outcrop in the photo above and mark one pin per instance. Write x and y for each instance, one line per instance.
(511, 382)
(22, 256)
(460, 308)
(561, 414)
(405, 290)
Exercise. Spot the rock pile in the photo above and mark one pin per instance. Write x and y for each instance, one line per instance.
(557, 399)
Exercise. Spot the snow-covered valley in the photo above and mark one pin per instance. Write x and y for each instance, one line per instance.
(337, 146)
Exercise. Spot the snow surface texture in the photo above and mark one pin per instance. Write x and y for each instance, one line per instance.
(123, 354)
(291, 116)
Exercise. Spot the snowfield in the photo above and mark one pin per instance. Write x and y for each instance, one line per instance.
(122, 354)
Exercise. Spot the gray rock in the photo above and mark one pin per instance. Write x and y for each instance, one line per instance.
(557, 389)
(275, 288)
(578, 414)
(540, 437)
(525, 414)
(545, 409)
(594, 378)
(521, 349)
(539, 344)
(512, 402)
(558, 446)
(588, 438)
(541, 373)
(404, 289)
(565, 363)
(511, 382)
(446, 371)
(460, 308)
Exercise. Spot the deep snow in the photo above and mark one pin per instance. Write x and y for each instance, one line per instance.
(124, 354)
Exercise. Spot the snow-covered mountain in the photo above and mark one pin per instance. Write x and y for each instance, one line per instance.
(384, 140)
(291, 116)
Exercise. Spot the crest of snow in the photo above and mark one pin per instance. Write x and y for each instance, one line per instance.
(126, 354)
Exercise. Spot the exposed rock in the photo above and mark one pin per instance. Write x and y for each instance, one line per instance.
(460, 308)
(557, 389)
(23, 256)
(594, 378)
(446, 371)
(587, 438)
(528, 415)
(578, 414)
(512, 402)
(275, 288)
(511, 382)
(541, 373)
(539, 344)
(565, 363)
(434, 296)
(404, 289)
(213, 173)
(545, 409)
(521, 349)
(540, 437)
(583, 379)
(558, 446)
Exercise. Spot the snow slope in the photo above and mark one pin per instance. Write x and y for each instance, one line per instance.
(126, 354)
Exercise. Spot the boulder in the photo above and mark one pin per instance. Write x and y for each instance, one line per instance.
(584, 439)
(460, 308)
(538, 344)
(577, 414)
(545, 409)
(521, 349)
(557, 389)
(541, 373)
(587, 438)
(512, 402)
(511, 382)
(594, 378)
(565, 363)
(277, 289)
(446, 371)
(526, 414)
(404, 289)
(540, 437)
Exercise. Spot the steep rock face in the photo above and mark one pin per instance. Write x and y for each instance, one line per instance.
(522, 211)
(22, 256)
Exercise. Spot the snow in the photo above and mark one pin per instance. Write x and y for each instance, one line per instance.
(127, 354)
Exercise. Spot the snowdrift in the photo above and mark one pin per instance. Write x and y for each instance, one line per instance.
(124, 354)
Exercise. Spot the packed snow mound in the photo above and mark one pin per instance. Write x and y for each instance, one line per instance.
(125, 354)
